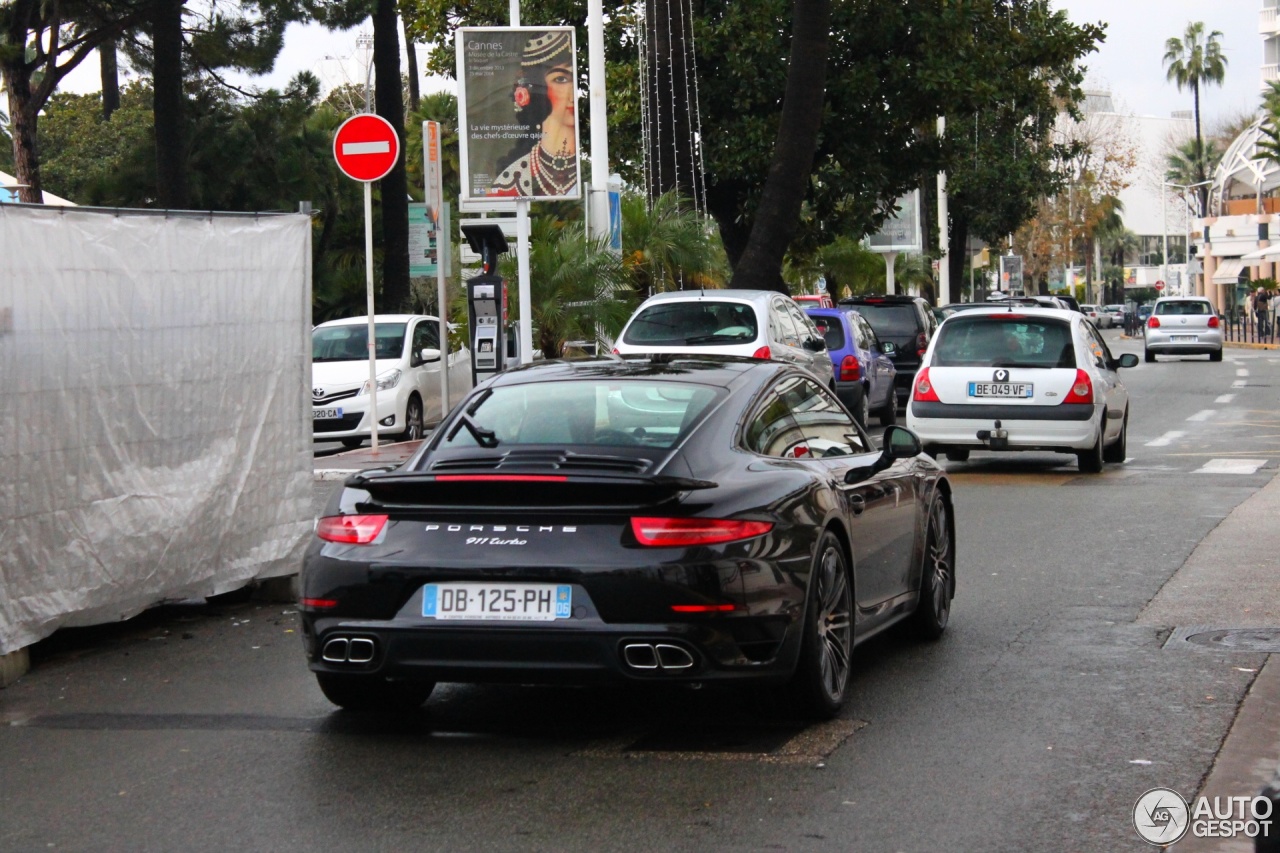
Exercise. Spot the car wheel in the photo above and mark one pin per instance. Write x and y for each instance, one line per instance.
(371, 693)
(937, 576)
(821, 681)
(1148, 356)
(412, 420)
(1118, 451)
(958, 454)
(352, 443)
(863, 412)
(1090, 461)
(1215, 356)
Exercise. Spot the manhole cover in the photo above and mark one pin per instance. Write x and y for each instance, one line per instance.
(1266, 640)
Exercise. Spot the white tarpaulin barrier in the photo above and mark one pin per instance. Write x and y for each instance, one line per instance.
(155, 438)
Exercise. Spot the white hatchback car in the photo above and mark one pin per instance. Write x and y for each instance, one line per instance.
(1021, 379)
(408, 374)
(1183, 325)
(752, 323)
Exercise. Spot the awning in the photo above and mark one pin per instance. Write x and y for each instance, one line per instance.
(1228, 270)
(1270, 253)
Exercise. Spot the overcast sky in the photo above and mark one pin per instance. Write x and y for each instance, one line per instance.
(1129, 63)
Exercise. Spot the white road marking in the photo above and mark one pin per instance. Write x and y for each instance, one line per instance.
(1202, 415)
(1242, 372)
(1239, 383)
(1231, 466)
(382, 147)
(1165, 440)
(1225, 398)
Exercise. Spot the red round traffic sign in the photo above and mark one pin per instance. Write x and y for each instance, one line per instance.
(366, 147)
(1159, 285)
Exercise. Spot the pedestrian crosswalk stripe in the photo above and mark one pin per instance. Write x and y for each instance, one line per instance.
(1166, 439)
(1202, 415)
(1231, 466)
(1225, 398)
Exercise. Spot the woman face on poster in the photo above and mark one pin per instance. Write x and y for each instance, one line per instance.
(544, 100)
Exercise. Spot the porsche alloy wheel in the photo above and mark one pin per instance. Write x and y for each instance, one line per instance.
(937, 577)
(822, 679)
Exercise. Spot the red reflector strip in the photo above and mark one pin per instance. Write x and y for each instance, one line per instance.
(703, 608)
(351, 529)
(502, 478)
(319, 603)
(686, 532)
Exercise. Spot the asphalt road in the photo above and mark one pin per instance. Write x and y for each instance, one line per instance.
(1034, 724)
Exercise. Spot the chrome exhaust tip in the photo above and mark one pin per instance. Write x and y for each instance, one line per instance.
(336, 650)
(674, 657)
(360, 650)
(640, 656)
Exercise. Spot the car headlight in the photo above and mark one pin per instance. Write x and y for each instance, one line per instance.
(386, 381)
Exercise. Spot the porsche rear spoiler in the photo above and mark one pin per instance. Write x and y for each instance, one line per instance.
(560, 491)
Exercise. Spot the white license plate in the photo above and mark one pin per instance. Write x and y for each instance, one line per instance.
(524, 602)
(1001, 389)
(1185, 339)
(326, 414)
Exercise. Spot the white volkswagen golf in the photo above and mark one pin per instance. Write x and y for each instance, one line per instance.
(408, 361)
(1021, 379)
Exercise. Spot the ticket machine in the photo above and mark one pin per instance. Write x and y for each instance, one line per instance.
(487, 303)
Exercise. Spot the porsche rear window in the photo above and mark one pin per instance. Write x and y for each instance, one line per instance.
(1000, 340)
(693, 324)
(602, 413)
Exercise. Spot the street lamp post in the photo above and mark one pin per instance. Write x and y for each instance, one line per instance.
(1164, 218)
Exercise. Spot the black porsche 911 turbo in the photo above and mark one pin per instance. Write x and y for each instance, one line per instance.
(644, 519)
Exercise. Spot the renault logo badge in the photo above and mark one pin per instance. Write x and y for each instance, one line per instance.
(1002, 376)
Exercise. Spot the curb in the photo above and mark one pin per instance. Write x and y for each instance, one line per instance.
(13, 666)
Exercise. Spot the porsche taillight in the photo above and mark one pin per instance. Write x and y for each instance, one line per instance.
(351, 529)
(1081, 389)
(688, 532)
(850, 370)
(762, 353)
(924, 392)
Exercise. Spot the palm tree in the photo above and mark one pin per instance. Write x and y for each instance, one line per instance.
(668, 246)
(1188, 162)
(849, 265)
(1190, 62)
(579, 288)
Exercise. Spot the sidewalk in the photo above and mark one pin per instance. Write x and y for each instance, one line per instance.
(344, 464)
(1231, 580)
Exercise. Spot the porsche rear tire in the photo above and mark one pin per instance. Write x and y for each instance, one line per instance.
(821, 681)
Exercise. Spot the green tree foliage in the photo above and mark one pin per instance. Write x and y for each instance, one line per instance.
(580, 290)
(667, 246)
(893, 68)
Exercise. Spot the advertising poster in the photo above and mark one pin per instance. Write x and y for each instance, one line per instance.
(517, 113)
(422, 240)
(900, 232)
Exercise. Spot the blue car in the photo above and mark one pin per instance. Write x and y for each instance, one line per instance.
(864, 372)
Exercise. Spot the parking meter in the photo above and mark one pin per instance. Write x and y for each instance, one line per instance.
(487, 311)
(487, 303)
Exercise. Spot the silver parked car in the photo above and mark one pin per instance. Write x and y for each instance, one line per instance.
(1183, 325)
(754, 323)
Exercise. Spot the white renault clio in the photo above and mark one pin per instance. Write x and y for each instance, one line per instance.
(1021, 379)
(408, 362)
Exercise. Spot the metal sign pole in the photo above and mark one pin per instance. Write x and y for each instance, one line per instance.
(526, 297)
(368, 277)
(444, 248)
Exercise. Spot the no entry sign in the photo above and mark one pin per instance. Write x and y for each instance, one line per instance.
(366, 147)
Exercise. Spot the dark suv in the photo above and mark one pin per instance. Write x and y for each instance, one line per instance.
(906, 321)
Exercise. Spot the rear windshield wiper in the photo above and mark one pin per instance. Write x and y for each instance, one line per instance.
(706, 339)
(486, 438)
